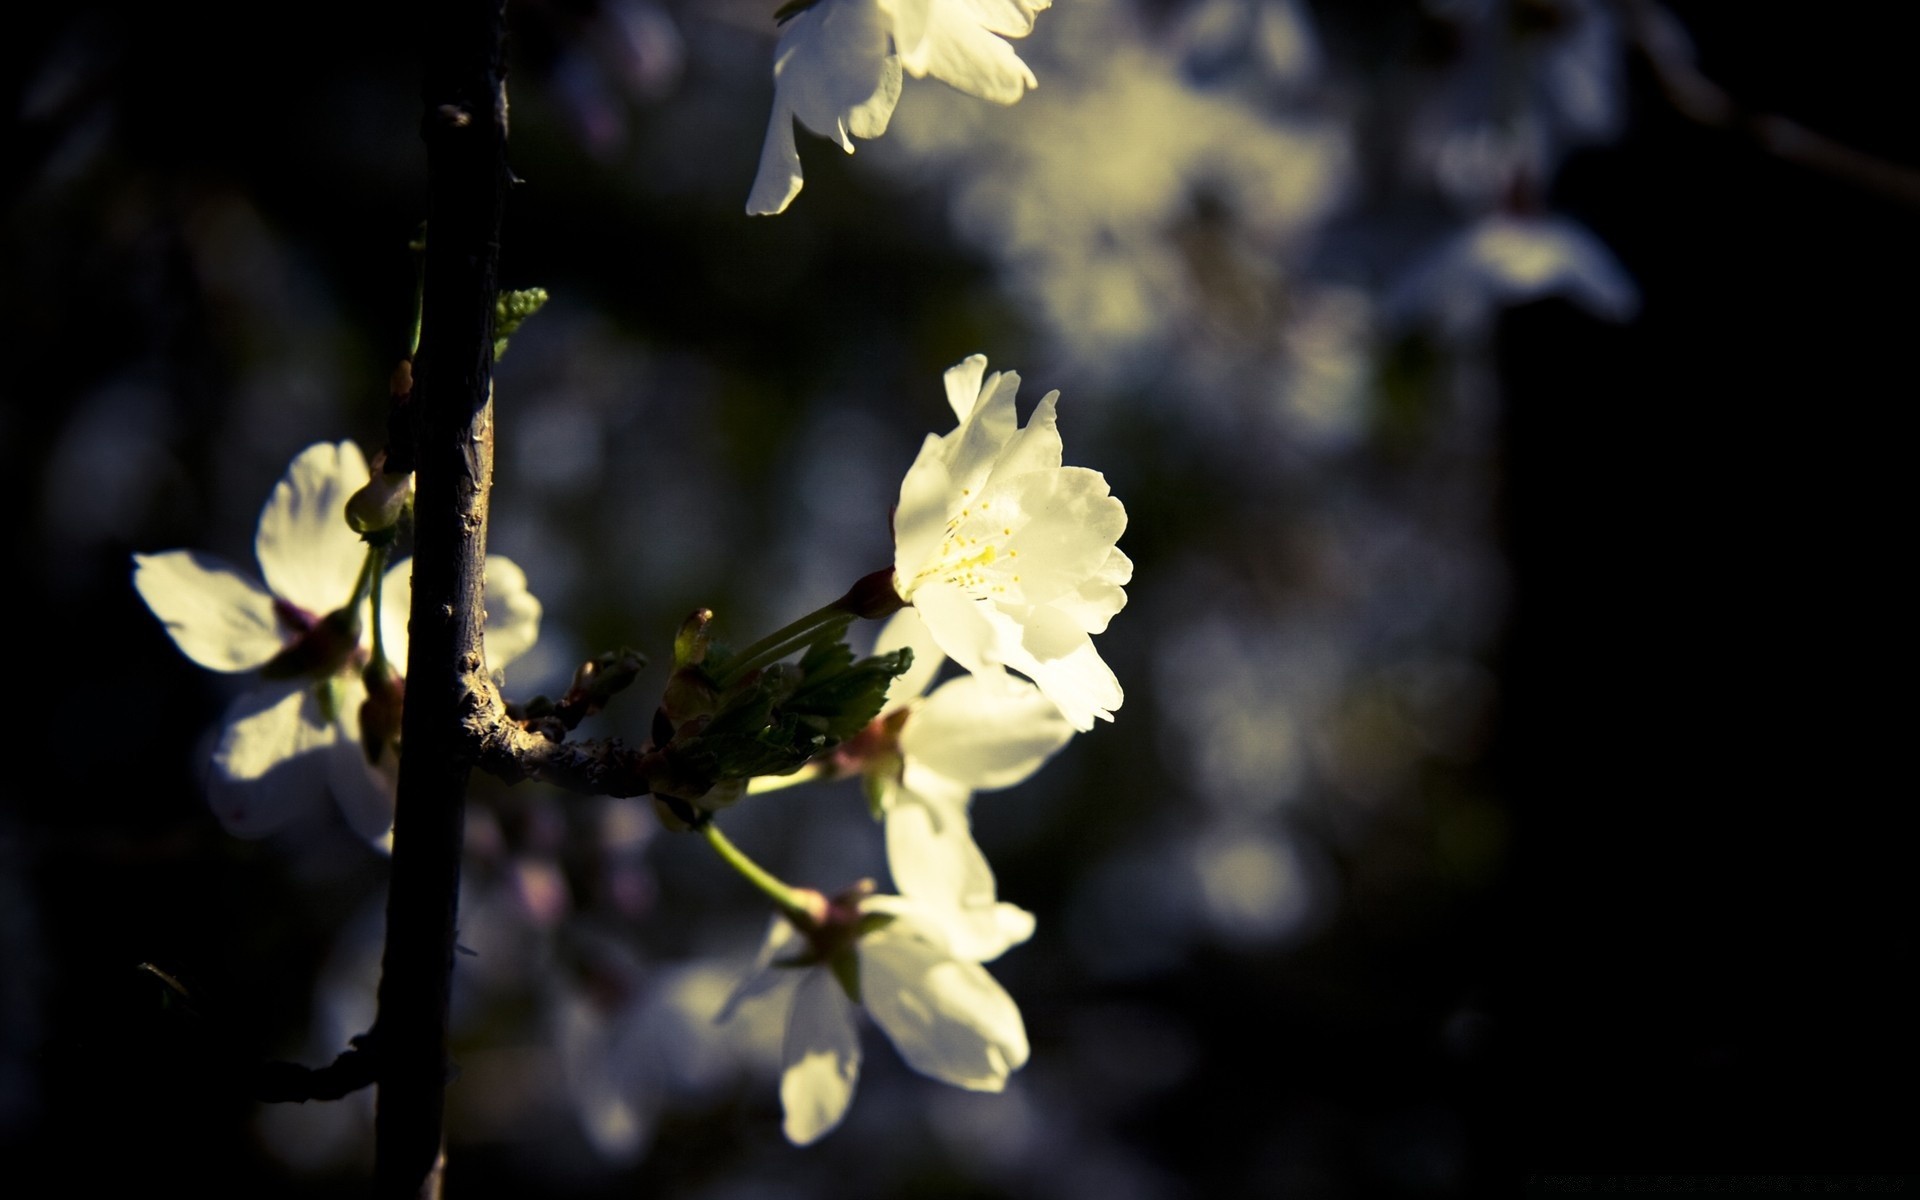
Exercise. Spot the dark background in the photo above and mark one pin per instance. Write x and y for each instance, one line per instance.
(1692, 954)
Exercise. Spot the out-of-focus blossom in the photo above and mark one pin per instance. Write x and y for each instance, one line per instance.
(1142, 250)
(1528, 83)
(1505, 260)
(837, 68)
(1008, 555)
(941, 1010)
(936, 751)
(298, 735)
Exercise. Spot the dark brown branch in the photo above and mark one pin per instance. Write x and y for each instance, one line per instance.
(285, 1082)
(509, 750)
(465, 129)
(1658, 36)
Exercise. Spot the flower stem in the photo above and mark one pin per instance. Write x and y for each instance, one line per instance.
(780, 643)
(773, 783)
(791, 901)
(377, 568)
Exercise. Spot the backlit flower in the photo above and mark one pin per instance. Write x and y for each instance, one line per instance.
(1008, 556)
(296, 736)
(938, 1006)
(838, 64)
(971, 734)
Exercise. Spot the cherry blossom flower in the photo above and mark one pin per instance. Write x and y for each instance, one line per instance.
(297, 735)
(896, 959)
(838, 64)
(932, 753)
(1008, 556)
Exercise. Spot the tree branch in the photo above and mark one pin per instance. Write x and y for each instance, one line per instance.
(465, 130)
(1660, 39)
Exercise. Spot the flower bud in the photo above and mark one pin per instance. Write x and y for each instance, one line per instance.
(872, 596)
(378, 505)
(380, 712)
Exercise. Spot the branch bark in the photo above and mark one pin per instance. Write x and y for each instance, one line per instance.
(465, 130)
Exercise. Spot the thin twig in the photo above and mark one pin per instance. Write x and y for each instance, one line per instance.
(1662, 41)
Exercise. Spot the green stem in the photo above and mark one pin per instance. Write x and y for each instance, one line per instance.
(772, 783)
(780, 643)
(790, 901)
(377, 567)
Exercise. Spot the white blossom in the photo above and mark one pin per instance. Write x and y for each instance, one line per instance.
(1008, 556)
(896, 959)
(837, 68)
(295, 737)
(971, 734)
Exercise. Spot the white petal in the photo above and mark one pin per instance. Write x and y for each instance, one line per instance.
(920, 518)
(1093, 604)
(822, 1057)
(778, 180)
(906, 629)
(1072, 522)
(963, 384)
(973, 449)
(958, 51)
(1012, 18)
(832, 69)
(513, 614)
(782, 940)
(949, 1019)
(218, 617)
(364, 792)
(984, 734)
(1059, 656)
(936, 864)
(973, 632)
(396, 601)
(308, 554)
(266, 771)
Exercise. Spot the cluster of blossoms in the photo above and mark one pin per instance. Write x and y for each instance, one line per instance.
(328, 665)
(1007, 562)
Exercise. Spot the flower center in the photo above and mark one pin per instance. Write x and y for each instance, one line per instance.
(973, 553)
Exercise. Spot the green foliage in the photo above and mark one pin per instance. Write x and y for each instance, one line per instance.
(510, 311)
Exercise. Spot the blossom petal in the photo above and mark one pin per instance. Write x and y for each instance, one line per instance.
(1059, 656)
(265, 771)
(364, 792)
(983, 734)
(1093, 604)
(936, 864)
(972, 632)
(959, 51)
(906, 630)
(778, 180)
(218, 617)
(963, 384)
(822, 1057)
(920, 518)
(973, 448)
(396, 610)
(308, 554)
(833, 70)
(1072, 522)
(949, 1019)
(513, 614)
(781, 941)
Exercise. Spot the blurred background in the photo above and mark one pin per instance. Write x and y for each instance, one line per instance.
(1509, 779)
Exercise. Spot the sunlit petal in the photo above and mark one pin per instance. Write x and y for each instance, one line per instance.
(307, 552)
(822, 1057)
(218, 617)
